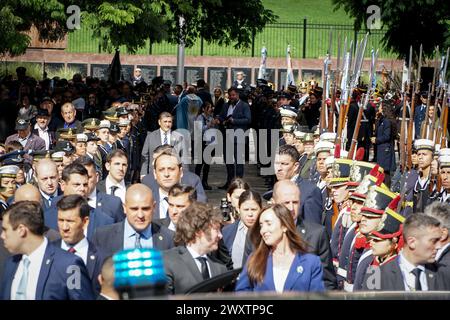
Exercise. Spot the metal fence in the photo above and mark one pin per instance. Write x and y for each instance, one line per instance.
(307, 40)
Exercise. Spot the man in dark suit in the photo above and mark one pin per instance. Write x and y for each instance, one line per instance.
(287, 192)
(188, 178)
(413, 269)
(162, 136)
(61, 275)
(69, 113)
(27, 139)
(441, 212)
(114, 184)
(189, 264)
(75, 181)
(42, 130)
(202, 92)
(137, 230)
(168, 172)
(286, 167)
(47, 178)
(109, 204)
(73, 216)
(235, 115)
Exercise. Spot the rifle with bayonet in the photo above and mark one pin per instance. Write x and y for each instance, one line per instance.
(415, 91)
(326, 70)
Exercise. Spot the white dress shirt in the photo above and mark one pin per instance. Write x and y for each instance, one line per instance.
(92, 199)
(441, 251)
(172, 226)
(44, 135)
(195, 255)
(279, 278)
(81, 249)
(34, 269)
(163, 204)
(409, 279)
(120, 192)
(47, 197)
(162, 136)
(238, 248)
(24, 141)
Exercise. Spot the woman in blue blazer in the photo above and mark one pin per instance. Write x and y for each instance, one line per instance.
(280, 262)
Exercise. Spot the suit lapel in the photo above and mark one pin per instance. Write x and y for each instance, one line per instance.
(120, 230)
(295, 272)
(45, 270)
(397, 273)
(190, 264)
(91, 260)
(157, 236)
(268, 281)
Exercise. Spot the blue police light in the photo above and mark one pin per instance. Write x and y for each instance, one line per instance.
(139, 273)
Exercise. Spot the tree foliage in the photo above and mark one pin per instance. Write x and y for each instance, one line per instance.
(406, 22)
(132, 22)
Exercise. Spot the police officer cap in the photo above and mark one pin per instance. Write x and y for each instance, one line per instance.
(288, 111)
(9, 171)
(424, 144)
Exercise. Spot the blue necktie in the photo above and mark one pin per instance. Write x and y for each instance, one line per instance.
(165, 138)
(137, 243)
(21, 293)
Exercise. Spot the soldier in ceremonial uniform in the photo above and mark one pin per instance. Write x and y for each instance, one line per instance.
(308, 143)
(418, 182)
(444, 174)
(8, 185)
(104, 147)
(322, 150)
(377, 200)
(353, 237)
(386, 240)
(81, 144)
(57, 157)
(90, 125)
(338, 218)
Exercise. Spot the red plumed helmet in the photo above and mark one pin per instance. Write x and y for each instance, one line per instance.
(394, 203)
(337, 151)
(359, 154)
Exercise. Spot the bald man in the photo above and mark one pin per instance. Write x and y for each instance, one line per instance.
(137, 230)
(47, 178)
(287, 193)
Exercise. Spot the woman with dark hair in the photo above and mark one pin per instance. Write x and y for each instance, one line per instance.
(280, 262)
(386, 132)
(235, 189)
(236, 234)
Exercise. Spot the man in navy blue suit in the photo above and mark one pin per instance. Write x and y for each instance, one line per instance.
(188, 178)
(109, 204)
(75, 181)
(137, 230)
(73, 217)
(38, 270)
(287, 167)
(47, 178)
(235, 115)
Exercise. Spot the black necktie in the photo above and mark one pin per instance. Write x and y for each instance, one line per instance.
(205, 271)
(417, 272)
(113, 189)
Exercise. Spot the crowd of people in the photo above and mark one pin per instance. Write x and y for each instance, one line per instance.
(89, 168)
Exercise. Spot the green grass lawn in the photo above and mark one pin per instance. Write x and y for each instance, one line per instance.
(316, 11)
(275, 37)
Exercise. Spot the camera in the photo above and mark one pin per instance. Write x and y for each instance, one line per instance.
(225, 209)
